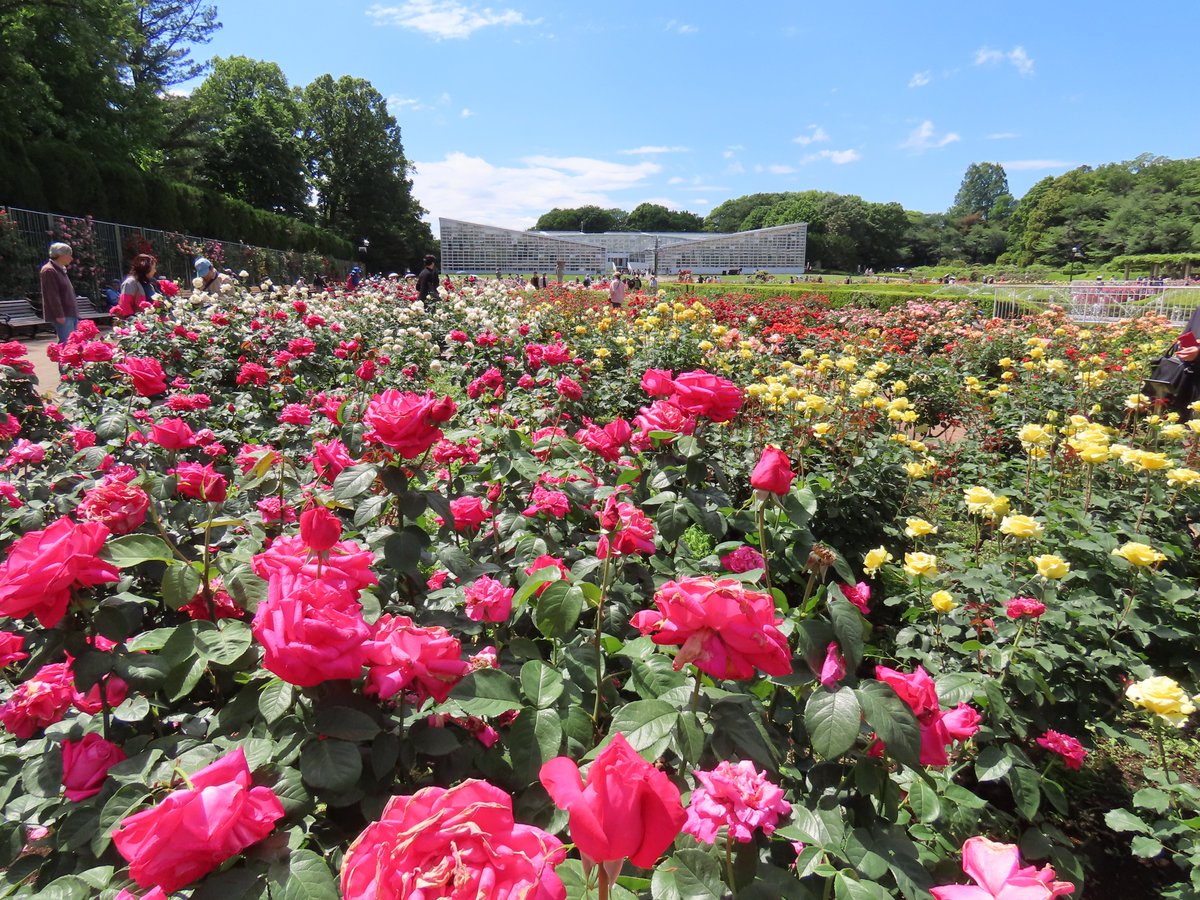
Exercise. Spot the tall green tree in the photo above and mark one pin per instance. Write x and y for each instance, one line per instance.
(983, 192)
(589, 219)
(656, 217)
(251, 147)
(165, 32)
(358, 172)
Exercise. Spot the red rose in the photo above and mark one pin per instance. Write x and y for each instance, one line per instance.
(628, 530)
(43, 566)
(147, 374)
(773, 473)
(702, 394)
(86, 764)
(407, 422)
(119, 507)
(193, 830)
(311, 635)
(461, 842)
(627, 809)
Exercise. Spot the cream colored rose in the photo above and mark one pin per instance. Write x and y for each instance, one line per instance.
(979, 499)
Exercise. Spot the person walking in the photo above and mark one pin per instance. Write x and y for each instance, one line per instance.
(427, 281)
(58, 294)
(616, 292)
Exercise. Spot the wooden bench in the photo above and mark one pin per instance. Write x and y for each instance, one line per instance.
(16, 314)
(87, 310)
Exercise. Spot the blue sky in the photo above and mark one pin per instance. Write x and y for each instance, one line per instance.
(512, 108)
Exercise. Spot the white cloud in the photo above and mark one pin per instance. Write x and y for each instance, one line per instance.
(1020, 60)
(920, 79)
(923, 138)
(817, 135)
(1003, 136)
(1034, 165)
(700, 201)
(444, 19)
(841, 157)
(732, 150)
(735, 167)
(397, 104)
(469, 187)
(680, 27)
(466, 113)
(779, 169)
(651, 150)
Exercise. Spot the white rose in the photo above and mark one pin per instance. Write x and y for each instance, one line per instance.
(197, 283)
(243, 274)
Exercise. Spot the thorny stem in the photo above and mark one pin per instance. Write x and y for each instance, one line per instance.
(598, 636)
(760, 516)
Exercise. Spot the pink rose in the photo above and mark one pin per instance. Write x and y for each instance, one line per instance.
(147, 375)
(193, 830)
(658, 383)
(569, 388)
(320, 529)
(407, 422)
(554, 503)
(172, 434)
(1025, 607)
(1064, 745)
(833, 669)
(773, 473)
(628, 530)
(462, 841)
(998, 875)
(403, 655)
(201, 482)
(312, 635)
(469, 513)
(735, 796)
(115, 692)
(627, 808)
(296, 414)
(725, 629)
(702, 394)
(43, 566)
(86, 764)
(743, 559)
(661, 415)
(288, 564)
(11, 648)
(488, 600)
(859, 594)
(330, 458)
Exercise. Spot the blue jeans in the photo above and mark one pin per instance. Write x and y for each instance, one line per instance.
(64, 330)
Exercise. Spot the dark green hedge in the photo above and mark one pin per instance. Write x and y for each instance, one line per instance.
(63, 178)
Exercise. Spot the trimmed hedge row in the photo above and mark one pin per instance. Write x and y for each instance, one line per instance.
(59, 176)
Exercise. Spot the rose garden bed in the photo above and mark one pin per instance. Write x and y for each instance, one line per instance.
(316, 595)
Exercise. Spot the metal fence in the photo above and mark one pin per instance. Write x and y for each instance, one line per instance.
(104, 250)
(1086, 301)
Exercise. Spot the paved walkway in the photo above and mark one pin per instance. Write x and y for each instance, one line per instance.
(47, 371)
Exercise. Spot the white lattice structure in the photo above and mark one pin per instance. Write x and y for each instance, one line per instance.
(471, 247)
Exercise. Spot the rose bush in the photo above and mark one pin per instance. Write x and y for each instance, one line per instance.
(434, 590)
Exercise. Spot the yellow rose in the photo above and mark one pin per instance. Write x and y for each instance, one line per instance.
(942, 601)
(920, 564)
(875, 559)
(1141, 555)
(1021, 526)
(1153, 462)
(1163, 697)
(979, 499)
(1051, 566)
(1035, 435)
(1000, 506)
(1183, 477)
(916, 470)
(918, 527)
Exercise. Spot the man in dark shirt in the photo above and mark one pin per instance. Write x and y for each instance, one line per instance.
(58, 294)
(427, 281)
